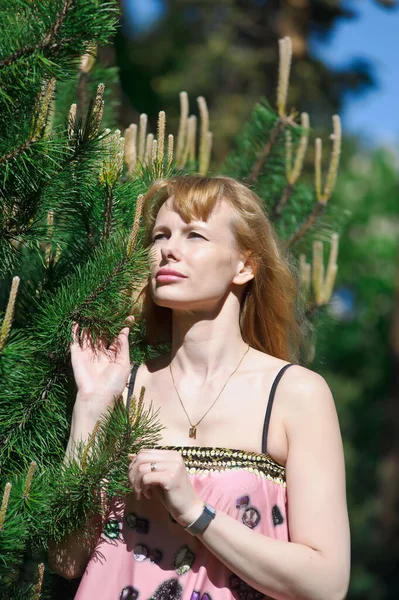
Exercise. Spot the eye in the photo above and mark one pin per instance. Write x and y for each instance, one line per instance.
(196, 234)
(158, 236)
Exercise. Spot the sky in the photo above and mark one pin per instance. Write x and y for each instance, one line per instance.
(373, 35)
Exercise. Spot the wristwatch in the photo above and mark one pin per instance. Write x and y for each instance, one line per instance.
(200, 524)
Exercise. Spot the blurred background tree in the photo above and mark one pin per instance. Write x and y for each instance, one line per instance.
(357, 353)
(191, 44)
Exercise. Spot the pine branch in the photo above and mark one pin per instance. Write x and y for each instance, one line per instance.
(9, 314)
(322, 197)
(84, 140)
(20, 150)
(285, 196)
(285, 55)
(26, 419)
(318, 209)
(100, 462)
(293, 173)
(182, 133)
(49, 39)
(134, 233)
(274, 136)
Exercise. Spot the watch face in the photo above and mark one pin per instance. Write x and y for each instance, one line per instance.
(209, 509)
(208, 513)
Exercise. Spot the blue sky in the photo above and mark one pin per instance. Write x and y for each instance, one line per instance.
(373, 35)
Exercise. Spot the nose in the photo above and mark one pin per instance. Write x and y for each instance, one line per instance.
(170, 249)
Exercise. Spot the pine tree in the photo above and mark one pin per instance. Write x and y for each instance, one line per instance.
(72, 249)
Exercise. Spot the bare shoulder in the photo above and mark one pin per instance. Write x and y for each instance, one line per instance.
(311, 424)
(304, 394)
(151, 370)
(299, 389)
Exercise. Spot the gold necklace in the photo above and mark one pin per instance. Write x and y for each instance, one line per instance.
(192, 432)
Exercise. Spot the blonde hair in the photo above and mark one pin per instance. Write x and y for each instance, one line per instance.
(270, 311)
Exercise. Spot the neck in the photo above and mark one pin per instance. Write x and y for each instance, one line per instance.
(206, 344)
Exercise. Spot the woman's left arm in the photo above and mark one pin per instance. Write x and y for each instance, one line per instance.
(315, 563)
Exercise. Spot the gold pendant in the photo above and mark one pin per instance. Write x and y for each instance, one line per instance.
(192, 432)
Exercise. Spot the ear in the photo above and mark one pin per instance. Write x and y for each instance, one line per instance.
(246, 269)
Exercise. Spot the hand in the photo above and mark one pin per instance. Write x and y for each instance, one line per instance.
(170, 482)
(100, 371)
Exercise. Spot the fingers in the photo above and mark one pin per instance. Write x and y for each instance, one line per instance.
(142, 475)
(119, 347)
(75, 331)
(121, 343)
(80, 340)
(75, 336)
(83, 339)
(86, 339)
(144, 483)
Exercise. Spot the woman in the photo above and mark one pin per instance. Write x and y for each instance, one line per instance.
(238, 501)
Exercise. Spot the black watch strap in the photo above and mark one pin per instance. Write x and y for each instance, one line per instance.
(200, 524)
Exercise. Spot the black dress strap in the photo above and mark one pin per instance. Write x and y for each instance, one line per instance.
(133, 374)
(270, 406)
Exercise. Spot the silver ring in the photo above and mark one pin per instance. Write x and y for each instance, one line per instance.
(153, 466)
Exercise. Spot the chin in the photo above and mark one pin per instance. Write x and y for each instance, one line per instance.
(170, 303)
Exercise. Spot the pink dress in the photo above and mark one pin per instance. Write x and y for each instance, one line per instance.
(144, 554)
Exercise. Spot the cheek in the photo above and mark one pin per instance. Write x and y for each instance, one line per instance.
(220, 260)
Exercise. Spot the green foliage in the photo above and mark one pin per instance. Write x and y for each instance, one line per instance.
(271, 181)
(80, 89)
(356, 365)
(91, 296)
(65, 234)
(63, 496)
(45, 40)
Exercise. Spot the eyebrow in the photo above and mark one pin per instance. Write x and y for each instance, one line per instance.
(191, 225)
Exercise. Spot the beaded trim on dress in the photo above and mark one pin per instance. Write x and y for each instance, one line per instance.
(205, 459)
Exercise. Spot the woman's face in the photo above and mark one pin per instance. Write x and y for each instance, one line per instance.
(202, 252)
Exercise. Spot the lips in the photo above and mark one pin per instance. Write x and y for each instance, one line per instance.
(169, 272)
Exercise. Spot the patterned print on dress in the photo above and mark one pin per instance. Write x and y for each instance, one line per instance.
(277, 517)
(251, 517)
(242, 501)
(197, 596)
(112, 529)
(140, 552)
(129, 593)
(243, 590)
(183, 560)
(131, 520)
(139, 524)
(168, 590)
(155, 556)
(142, 525)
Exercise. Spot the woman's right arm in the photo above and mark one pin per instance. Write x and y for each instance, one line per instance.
(100, 374)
